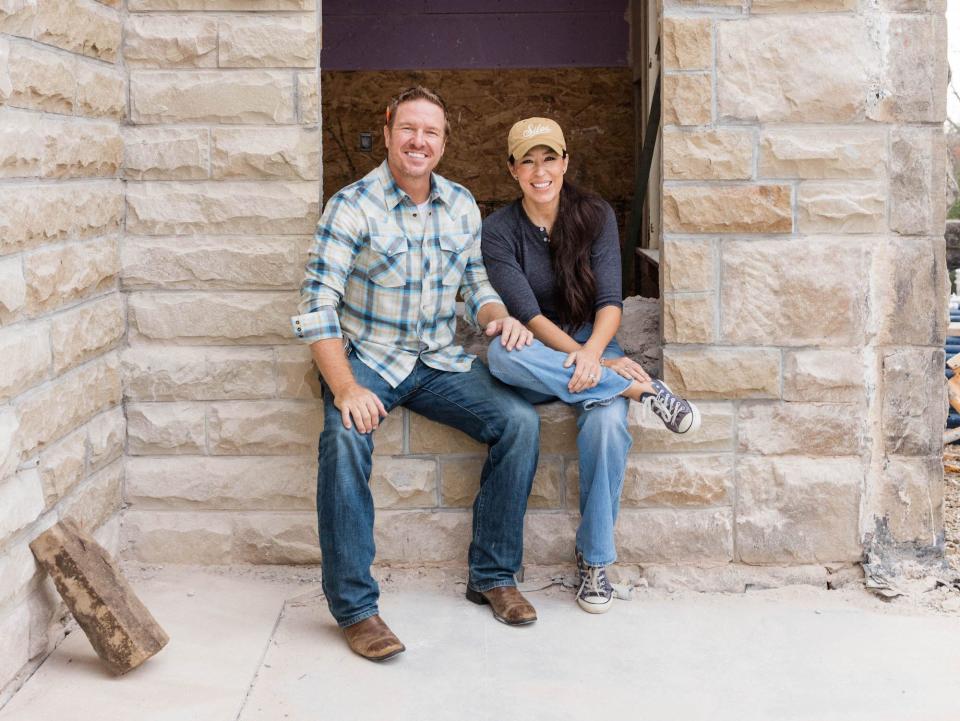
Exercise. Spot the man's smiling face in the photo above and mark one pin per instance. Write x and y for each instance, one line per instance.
(415, 142)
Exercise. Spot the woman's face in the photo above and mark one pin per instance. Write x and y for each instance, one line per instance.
(540, 174)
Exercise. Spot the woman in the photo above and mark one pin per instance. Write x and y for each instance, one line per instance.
(554, 257)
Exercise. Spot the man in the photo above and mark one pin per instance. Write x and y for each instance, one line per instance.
(378, 307)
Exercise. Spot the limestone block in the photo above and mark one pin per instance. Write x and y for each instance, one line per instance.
(297, 377)
(194, 374)
(6, 81)
(21, 145)
(909, 496)
(273, 208)
(723, 373)
(460, 481)
(808, 6)
(84, 332)
(404, 482)
(77, 396)
(276, 483)
(736, 577)
(13, 287)
(79, 26)
(264, 427)
(794, 294)
(17, 18)
(47, 615)
(735, 6)
(181, 537)
(428, 436)
(165, 428)
(62, 466)
(101, 91)
(81, 150)
(106, 435)
(816, 153)
(212, 318)
(842, 207)
(21, 502)
(170, 41)
(96, 500)
(41, 79)
(801, 429)
(651, 436)
(816, 68)
(707, 154)
(700, 536)
(276, 538)
(422, 537)
(798, 510)
(558, 428)
(825, 376)
(727, 209)
(913, 6)
(9, 441)
(687, 44)
(914, 69)
(308, 96)
(157, 153)
(268, 41)
(14, 642)
(687, 99)
(388, 438)
(689, 265)
(917, 172)
(908, 291)
(25, 350)
(914, 401)
(228, 5)
(689, 317)
(57, 275)
(17, 569)
(549, 538)
(210, 96)
(285, 153)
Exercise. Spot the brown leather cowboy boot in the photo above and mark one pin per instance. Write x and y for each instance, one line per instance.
(508, 604)
(373, 639)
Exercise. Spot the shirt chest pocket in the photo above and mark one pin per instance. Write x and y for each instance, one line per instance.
(388, 260)
(454, 253)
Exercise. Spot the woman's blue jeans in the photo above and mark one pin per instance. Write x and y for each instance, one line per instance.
(603, 439)
(473, 402)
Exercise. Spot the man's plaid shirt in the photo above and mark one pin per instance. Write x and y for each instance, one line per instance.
(376, 280)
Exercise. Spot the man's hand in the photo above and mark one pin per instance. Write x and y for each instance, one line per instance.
(513, 333)
(628, 368)
(587, 371)
(360, 406)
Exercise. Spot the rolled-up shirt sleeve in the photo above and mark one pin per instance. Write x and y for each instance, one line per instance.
(335, 246)
(475, 288)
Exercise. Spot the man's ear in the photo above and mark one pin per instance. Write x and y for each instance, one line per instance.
(386, 136)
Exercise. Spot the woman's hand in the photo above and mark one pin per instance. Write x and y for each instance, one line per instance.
(587, 372)
(628, 368)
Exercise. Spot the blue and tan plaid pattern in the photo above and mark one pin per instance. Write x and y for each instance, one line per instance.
(387, 282)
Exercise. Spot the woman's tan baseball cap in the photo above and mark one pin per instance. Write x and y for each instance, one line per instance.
(532, 132)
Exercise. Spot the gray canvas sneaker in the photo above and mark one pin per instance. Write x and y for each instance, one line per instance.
(596, 592)
(677, 414)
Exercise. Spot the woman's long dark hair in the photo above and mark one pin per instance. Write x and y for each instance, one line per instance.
(580, 219)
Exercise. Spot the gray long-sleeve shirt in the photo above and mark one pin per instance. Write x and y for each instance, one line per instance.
(517, 256)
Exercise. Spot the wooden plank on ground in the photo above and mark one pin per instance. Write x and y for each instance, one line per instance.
(954, 362)
(120, 628)
(951, 434)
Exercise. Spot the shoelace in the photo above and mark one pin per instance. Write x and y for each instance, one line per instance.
(666, 406)
(596, 583)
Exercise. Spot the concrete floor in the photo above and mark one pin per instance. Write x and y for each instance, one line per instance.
(260, 645)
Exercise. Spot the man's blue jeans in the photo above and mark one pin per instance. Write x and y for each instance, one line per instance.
(603, 439)
(473, 402)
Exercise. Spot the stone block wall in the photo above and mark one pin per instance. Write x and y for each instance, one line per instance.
(804, 268)
(62, 318)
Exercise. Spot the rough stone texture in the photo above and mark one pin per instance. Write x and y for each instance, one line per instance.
(707, 154)
(727, 209)
(193, 374)
(228, 5)
(177, 537)
(212, 319)
(651, 436)
(798, 510)
(263, 427)
(17, 570)
(80, 150)
(847, 207)
(80, 26)
(157, 153)
(87, 331)
(794, 294)
(58, 275)
(16, 18)
(687, 44)
(9, 441)
(101, 91)
(914, 401)
(910, 499)
(21, 502)
(170, 41)
(428, 436)
(165, 428)
(25, 350)
(639, 333)
(21, 145)
(917, 172)
(809, 6)
(13, 287)
(689, 318)
(422, 537)
(549, 538)
(97, 499)
(15, 643)
(740, 578)
(297, 377)
(808, 429)
(821, 153)
(388, 438)
(222, 208)
(689, 265)
(62, 466)
(558, 428)
(106, 435)
(119, 627)
(722, 373)
(795, 69)
(824, 376)
(282, 538)
(276, 41)
(246, 96)
(40, 79)
(275, 483)
(245, 263)
(309, 97)
(460, 481)
(675, 536)
(687, 99)
(404, 482)
(291, 153)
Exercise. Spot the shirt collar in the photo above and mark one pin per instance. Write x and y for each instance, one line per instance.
(440, 188)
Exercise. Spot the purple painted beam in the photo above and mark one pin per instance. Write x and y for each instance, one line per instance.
(332, 8)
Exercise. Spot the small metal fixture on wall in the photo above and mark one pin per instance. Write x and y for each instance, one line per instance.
(366, 142)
